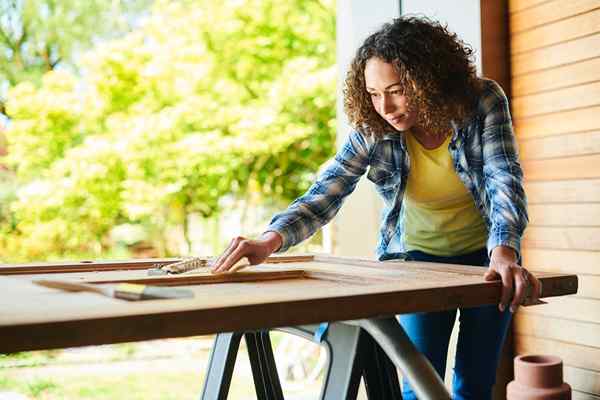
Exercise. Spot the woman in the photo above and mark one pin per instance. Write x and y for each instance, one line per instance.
(438, 144)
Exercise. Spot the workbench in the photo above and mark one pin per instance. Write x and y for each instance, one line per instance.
(285, 291)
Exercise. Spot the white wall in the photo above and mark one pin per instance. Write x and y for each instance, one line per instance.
(354, 230)
(462, 16)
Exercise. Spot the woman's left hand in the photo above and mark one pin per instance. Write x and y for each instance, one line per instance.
(515, 279)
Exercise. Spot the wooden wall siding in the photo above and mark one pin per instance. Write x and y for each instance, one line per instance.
(570, 121)
(532, 17)
(574, 167)
(555, 86)
(556, 55)
(555, 78)
(549, 192)
(495, 61)
(566, 145)
(494, 42)
(560, 31)
(553, 101)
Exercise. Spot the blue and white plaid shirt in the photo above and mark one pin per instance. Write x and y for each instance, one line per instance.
(485, 158)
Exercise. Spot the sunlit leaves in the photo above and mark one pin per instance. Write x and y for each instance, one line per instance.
(206, 101)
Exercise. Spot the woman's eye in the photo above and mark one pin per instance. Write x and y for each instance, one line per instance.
(396, 92)
(373, 94)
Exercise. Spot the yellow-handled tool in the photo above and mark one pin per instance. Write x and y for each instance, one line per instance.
(126, 291)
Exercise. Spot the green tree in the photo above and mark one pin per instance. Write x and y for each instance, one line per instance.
(36, 36)
(170, 120)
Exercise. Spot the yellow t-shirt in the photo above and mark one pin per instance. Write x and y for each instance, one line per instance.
(440, 215)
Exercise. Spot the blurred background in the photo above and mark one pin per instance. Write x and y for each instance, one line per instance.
(139, 128)
(142, 128)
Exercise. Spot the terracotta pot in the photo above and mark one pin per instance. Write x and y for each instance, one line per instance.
(538, 377)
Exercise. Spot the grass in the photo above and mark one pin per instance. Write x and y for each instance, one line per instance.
(132, 371)
(136, 386)
(37, 388)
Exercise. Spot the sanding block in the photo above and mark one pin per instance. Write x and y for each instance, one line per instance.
(192, 265)
(180, 267)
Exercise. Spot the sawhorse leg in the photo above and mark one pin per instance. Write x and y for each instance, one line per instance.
(390, 336)
(264, 370)
(352, 353)
(379, 373)
(344, 367)
(222, 362)
(220, 366)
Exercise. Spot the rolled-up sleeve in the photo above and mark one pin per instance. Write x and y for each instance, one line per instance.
(507, 203)
(324, 198)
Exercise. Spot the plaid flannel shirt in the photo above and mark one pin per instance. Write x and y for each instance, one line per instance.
(484, 155)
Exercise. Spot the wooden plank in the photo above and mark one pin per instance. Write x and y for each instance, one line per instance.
(515, 6)
(573, 51)
(207, 278)
(589, 287)
(556, 78)
(562, 168)
(562, 261)
(556, 32)
(571, 191)
(567, 145)
(567, 307)
(141, 321)
(580, 96)
(407, 273)
(571, 354)
(246, 276)
(576, 395)
(577, 214)
(555, 58)
(565, 238)
(88, 265)
(84, 265)
(94, 329)
(495, 57)
(402, 274)
(559, 329)
(50, 319)
(585, 119)
(548, 12)
(399, 265)
(584, 380)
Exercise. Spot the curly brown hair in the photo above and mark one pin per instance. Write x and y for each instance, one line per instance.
(436, 71)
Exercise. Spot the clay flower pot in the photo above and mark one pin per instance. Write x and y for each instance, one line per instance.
(538, 377)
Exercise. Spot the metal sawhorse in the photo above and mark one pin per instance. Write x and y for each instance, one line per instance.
(370, 348)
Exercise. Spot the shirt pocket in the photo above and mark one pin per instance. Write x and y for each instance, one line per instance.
(386, 180)
(385, 170)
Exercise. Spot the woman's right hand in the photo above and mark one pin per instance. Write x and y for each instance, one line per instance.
(256, 251)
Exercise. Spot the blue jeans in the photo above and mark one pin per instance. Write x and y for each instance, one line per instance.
(481, 334)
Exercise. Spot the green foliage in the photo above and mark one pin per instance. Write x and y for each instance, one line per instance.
(45, 125)
(205, 101)
(36, 36)
(41, 386)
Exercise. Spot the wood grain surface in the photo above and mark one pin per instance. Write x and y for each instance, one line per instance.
(295, 290)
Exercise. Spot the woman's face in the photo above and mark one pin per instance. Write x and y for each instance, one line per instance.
(383, 85)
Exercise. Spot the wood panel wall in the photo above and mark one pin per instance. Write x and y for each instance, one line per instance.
(495, 63)
(555, 85)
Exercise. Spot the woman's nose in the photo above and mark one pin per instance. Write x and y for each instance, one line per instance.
(386, 105)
